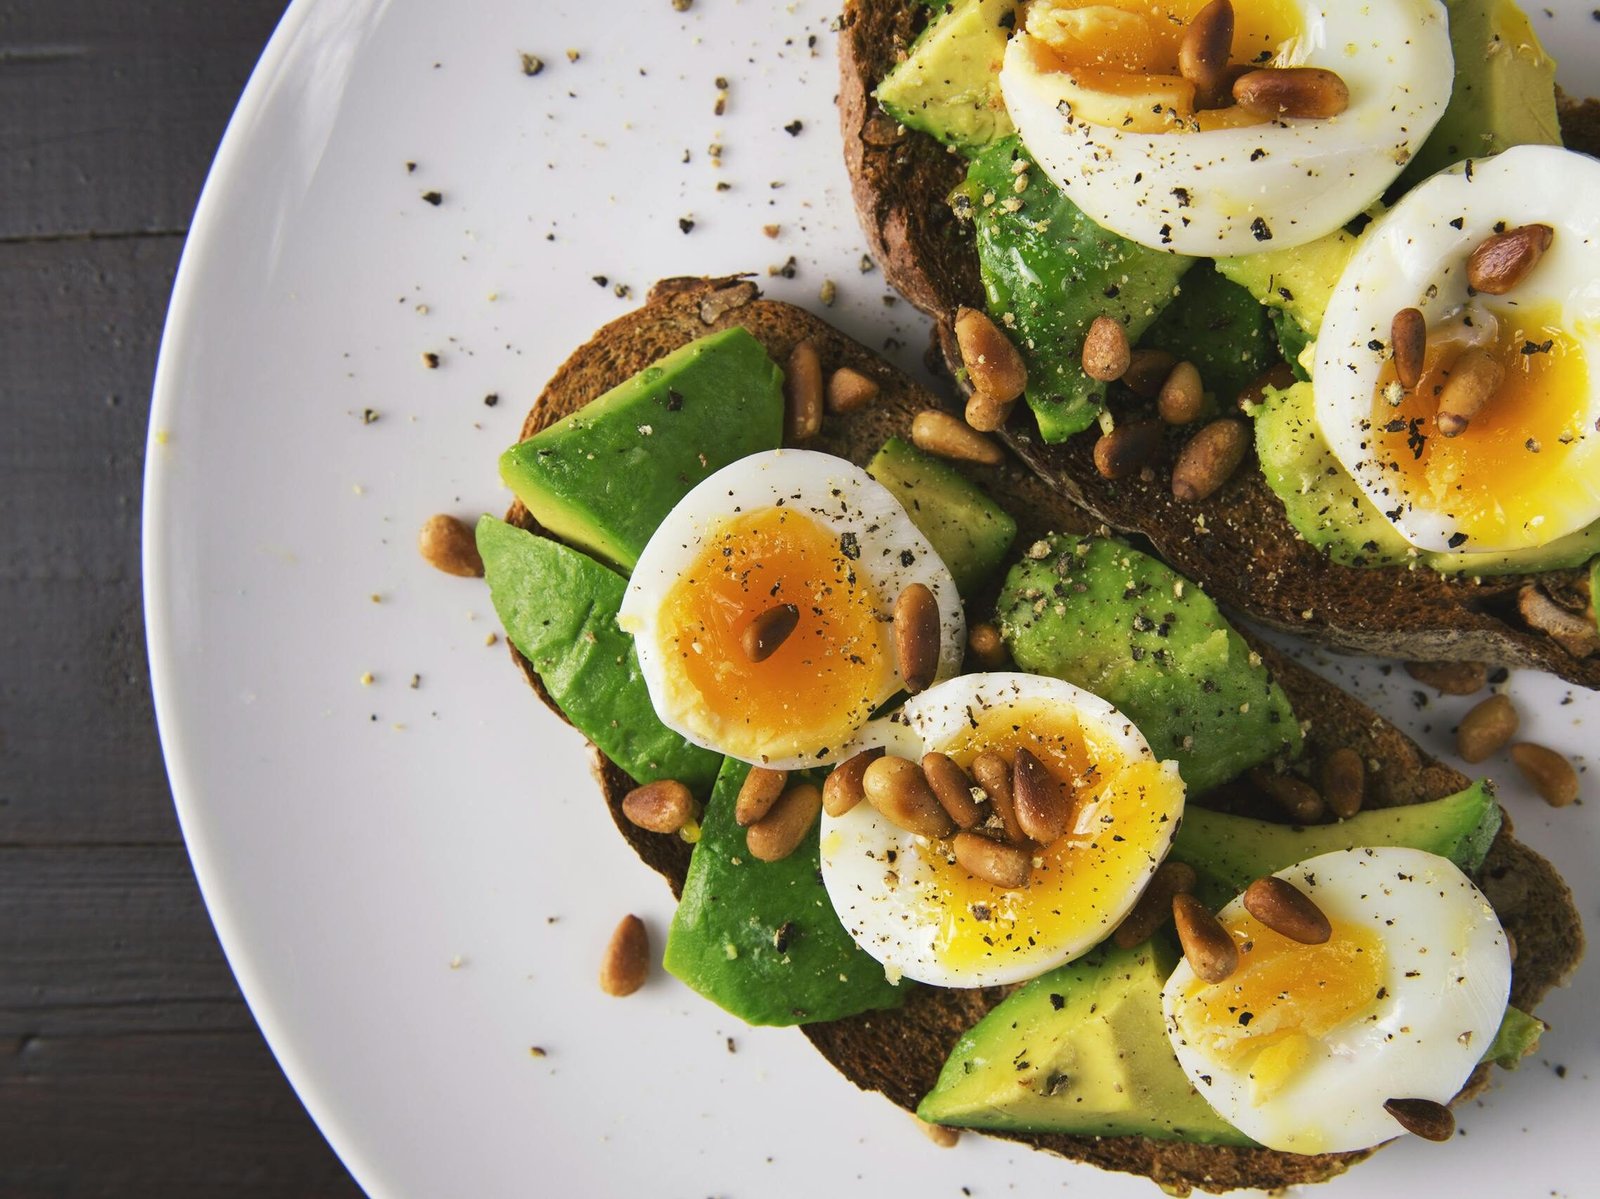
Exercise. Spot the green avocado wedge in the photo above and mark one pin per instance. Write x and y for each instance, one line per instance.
(948, 84)
(760, 939)
(559, 608)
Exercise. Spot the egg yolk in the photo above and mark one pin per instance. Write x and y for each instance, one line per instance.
(824, 679)
(1283, 996)
(1122, 58)
(1497, 479)
(1120, 823)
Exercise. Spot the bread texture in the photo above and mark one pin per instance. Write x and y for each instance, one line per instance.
(1238, 543)
(899, 1053)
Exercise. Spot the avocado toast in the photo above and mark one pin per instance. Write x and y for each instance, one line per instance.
(1237, 542)
(900, 1051)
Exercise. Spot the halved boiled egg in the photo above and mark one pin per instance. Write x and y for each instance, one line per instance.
(807, 544)
(1526, 470)
(1096, 93)
(1301, 1047)
(906, 900)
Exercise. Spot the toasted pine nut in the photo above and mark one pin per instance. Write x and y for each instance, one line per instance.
(953, 789)
(916, 636)
(626, 963)
(1209, 459)
(850, 391)
(1299, 800)
(945, 1138)
(760, 790)
(1294, 92)
(663, 806)
(1486, 729)
(802, 393)
(1408, 343)
(1147, 371)
(986, 646)
(1206, 944)
(1504, 260)
(1042, 804)
(447, 544)
(1106, 353)
(944, 436)
(900, 791)
(993, 364)
(1573, 632)
(1287, 910)
(1127, 449)
(763, 635)
(1429, 1120)
(1474, 378)
(1344, 782)
(1203, 52)
(1154, 907)
(1451, 678)
(1003, 865)
(993, 774)
(779, 833)
(1279, 377)
(1182, 397)
(1552, 776)
(985, 413)
(842, 790)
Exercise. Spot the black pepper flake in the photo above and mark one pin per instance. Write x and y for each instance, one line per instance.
(1457, 540)
(430, 360)
(1537, 347)
(1257, 154)
(674, 400)
(411, 168)
(794, 127)
(1458, 222)
(1113, 292)
(433, 197)
(907, 558)
(1057, 1001)
(1181, 195)
(849, 546)
(686, 224)
(1260, 230)
(490, 400)
(784, 934)
(368, 415)
(532, 64)
(1245, 1018)
(1375, 345)
(601, 281)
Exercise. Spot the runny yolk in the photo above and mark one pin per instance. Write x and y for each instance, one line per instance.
(1495, 478)
(1122, 816)
(824, 679)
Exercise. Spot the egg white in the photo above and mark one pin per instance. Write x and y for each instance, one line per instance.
(1447, 977)
(1265, 187)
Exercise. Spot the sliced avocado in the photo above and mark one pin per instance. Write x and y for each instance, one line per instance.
(559, 608)
(760, 939)
(1517, 1037)
(1048, 271)
(948, 85)
(1298, 281)
(1594, 591)
(605, 477)
(967, 529)
(1124, 626)
(1080, 1050)
(1504, 93)
(1218, 326)
(1230, 852)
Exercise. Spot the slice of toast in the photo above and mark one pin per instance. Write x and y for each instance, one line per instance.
(1237, 544)
(899, 1053)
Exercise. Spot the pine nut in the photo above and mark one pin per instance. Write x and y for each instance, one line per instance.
(985, 413)
(944, 436)
(850, 391)
(802, 393)
(1504, 260)
(916, 637)
(760, 790)
(986, 646)
(1287, 910)
(1451, 678)
(1299, 800)
(1106, 353)
(1182, 397)
(1486, 729)
(842, 789)
(993, 774)
(763, 635)
(1147, 371)
(1209, 460)
(1042, 803)
(1552, 776)
(993, 364)
(1127, 449)
(1154, 907)
(779, 833)
(1003, 865)
(900, 792)
(447, 544)
(1279, 376)
(626, 964)
(953, 789)
(1292, 92)
(1408, 343)
(1474, 378)
(1211, 953)
(1572, 632)
(1344, 782)
(1429, 1120)
(1203, 53)
(663, 806)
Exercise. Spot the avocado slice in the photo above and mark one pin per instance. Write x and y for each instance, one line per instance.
(760, 939)
(1084, 1050)
(966, 528)
(606, 476)
(1220, 327)
(1297, 282)
(948, 85)
(559, 608)
(1121, 624)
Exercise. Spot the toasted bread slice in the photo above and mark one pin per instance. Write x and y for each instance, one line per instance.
(1237, 544)
(899, 1053)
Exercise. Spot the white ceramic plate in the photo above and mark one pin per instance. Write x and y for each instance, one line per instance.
(412, 877)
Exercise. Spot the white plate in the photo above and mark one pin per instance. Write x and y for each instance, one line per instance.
(413, 883)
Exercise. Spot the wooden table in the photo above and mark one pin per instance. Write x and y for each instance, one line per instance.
(129, 1065)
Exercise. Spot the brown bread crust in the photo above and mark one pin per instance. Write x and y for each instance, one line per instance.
(899, 1053)
(1238, 543)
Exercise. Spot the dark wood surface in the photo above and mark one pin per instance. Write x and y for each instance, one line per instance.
(129, 1065)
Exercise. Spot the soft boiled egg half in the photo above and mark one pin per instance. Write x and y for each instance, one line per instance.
(1526, 470)
(1301, 1047)
(788, 529)
(906, 900)
(1096, 93)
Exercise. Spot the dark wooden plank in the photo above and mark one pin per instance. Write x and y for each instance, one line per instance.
(110, 111)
